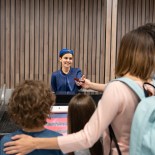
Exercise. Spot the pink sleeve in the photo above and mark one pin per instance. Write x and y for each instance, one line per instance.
(107, 109)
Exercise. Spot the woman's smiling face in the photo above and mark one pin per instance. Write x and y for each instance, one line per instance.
(66, 60)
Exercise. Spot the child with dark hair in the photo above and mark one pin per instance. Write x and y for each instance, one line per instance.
(29, 106)
(80, 109)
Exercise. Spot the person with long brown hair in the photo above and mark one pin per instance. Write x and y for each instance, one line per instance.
(136, 61)
(80, 109)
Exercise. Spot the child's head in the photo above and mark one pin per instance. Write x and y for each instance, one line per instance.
(81, 107)
(30, 104)
(137, 53)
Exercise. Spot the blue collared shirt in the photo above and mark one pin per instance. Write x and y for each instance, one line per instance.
(61, 82)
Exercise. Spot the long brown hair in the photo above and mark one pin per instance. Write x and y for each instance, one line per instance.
(137, 53)
(81, 107)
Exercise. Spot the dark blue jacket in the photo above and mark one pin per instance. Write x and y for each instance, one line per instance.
(64, 83)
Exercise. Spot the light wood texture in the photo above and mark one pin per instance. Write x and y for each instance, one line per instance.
(32, 32)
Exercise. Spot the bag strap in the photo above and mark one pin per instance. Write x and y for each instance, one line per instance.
(140, 93)
(153, 82)
(147, 92)
(113, 137)
(133, 85)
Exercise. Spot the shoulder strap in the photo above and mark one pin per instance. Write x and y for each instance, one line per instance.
(140, 93)
(133, 85)
(113, 137)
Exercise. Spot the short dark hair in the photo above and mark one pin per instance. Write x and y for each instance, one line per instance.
(30, 104)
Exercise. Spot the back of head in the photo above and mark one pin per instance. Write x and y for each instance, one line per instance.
(30, 104)
(137, 53)
(81, 107)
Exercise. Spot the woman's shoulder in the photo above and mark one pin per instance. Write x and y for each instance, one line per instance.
(116, 84)
(120, 88)
(117, 88)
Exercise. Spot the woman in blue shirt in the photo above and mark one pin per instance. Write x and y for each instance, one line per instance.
(63, 80)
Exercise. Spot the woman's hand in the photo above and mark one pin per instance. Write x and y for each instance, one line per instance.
(21, 144)
(83, 82)
(86, 84)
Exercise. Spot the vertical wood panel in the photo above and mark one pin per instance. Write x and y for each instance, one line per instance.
(59, 26)
(77, 34)
(69, 23)
(90, 40)
(85, 53)
(41, 40)
(55, 37)
(127, 25)
(147, 11)
(32, 63)
(81, 33)
(27, 41)
(2, 41)
(94, 41)
(98, 46)
(73, 37)
(7, 42)
(143, 12)
(135, 13)
(12, 54)
(113, 39)
(119, 25)
(64, 25)
(131, 14)
(33, 31)
(22, 41)
(108, 40)
(36, 40)
(103, 47)
(51, 52)
(46, 53)
(139, 12)
(123, 17)
(153, 11)
(17, 43)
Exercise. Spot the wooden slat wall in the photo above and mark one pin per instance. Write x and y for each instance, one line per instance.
(33, 31)
(131, 14)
